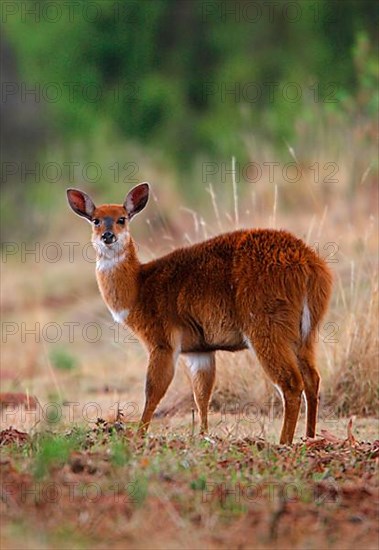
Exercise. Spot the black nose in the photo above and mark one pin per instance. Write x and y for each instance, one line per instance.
(108, 237)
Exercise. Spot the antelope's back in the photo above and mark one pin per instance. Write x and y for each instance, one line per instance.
(219, 286)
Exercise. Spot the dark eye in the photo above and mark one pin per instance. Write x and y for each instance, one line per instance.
(121, 221)
(96, 221)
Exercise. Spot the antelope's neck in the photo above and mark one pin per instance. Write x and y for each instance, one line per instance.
(117, 277)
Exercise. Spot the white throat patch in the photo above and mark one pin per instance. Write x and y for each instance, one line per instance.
(104, 264)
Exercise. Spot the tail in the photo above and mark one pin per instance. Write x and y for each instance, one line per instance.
(318, 292)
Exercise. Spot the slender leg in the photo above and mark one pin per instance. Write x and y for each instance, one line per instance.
(160, 373)
(292, 401)
(202, 369)
(279, 361)
(311, 379)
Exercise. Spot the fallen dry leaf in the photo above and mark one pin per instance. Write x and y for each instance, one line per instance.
(10, 435)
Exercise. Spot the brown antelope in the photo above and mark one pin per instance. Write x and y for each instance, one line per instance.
(258, 289)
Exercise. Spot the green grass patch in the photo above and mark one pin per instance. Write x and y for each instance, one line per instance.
(62, 359)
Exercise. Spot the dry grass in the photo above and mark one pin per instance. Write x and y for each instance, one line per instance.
(355, 385)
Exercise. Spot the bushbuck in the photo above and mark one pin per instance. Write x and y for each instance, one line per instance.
(257, 289)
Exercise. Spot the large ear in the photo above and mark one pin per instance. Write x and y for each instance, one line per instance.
(81, 203)
(136, 199)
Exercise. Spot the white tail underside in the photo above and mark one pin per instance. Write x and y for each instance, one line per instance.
(305, 321)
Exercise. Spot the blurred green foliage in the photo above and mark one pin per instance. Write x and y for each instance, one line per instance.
(197, 76)
(62, 359)
(52, 451)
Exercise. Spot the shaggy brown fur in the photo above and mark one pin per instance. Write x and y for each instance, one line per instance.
(260, 289)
